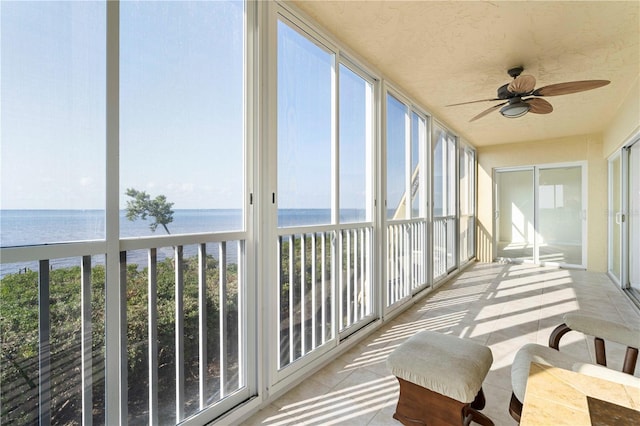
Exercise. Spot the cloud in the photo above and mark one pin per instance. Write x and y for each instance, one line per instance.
(181, 187)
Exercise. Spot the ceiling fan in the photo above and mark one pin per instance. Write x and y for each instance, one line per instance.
(522, 97)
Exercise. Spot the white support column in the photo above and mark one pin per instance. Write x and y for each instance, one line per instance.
(115, 312)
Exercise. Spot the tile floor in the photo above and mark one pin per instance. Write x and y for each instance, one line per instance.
(500, 305)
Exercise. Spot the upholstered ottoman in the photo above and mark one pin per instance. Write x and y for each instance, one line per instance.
(440, 380)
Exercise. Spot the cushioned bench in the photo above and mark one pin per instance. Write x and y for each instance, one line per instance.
(440, 379)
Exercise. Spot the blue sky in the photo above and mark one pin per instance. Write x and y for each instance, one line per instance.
(52, 105)
(181, 113)
(181, 108)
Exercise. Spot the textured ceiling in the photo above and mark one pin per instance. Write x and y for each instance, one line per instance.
(448, 52)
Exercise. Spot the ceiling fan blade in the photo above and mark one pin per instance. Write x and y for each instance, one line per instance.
(570, 87)
(522, 84)
(539, 106)
(473, 102)
(487, 111)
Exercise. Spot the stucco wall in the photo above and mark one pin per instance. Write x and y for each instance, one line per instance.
(626, 123)
(588, 148)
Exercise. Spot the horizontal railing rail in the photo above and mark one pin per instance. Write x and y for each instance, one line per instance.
(308, 229)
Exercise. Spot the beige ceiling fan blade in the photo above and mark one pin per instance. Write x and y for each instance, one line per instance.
(539, 106)
(522, 84)
(570, 87)
(487, 111)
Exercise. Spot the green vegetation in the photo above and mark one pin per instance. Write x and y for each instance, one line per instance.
(19, 333)
(142, 206)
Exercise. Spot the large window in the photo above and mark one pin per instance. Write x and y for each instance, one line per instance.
(182, 114)
(467, 173)
(324, 197)
(444, 173)
(52, 167)
(406, 191)
(356, 146)
(305, 117)
(445, 180)
(52, 190)
(397, 137)
(155, 330)
(182, 157)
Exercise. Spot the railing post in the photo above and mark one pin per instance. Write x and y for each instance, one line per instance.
(202, 318)
(179, 330)
(152, 332)
(44, 345)
(222, 264)
(314, 306)
(86, 347)
(303, 295)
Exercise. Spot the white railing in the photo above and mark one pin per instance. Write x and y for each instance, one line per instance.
(355, 280)
(185, 340)
(313, 264)
(444, 243)
(185, 314)
(467, 238)
(406, 258)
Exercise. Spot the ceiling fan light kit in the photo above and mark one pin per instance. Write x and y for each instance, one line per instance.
(516, 108)
(523, 86)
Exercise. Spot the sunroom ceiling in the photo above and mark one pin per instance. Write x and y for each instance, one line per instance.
(448, 52)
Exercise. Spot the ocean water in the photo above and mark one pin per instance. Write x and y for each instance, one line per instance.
(37, 227)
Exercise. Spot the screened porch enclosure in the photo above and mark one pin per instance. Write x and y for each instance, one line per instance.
(188, 254)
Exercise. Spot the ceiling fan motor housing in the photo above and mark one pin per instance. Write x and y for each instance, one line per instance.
(504, 93)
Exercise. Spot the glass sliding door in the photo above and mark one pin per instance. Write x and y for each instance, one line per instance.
(634, 217)
(560, 215)
(615, 218)
(324, 224)
(406, 207)
(540, 214)
(515, 229)
(444, 202)
(183, 147)
(467, 204)
(624, 219)
(305, 138)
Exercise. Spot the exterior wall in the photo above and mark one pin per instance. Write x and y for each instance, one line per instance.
(626, 123)
(586, 148)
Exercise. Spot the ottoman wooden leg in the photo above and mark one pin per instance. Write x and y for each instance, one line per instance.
(421, 406)
(418, 406)
(480, 401)
(476, 416)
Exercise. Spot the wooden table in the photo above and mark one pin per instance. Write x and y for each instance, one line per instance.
(561, 397)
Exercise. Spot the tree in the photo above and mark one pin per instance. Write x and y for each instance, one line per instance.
(142, 206)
